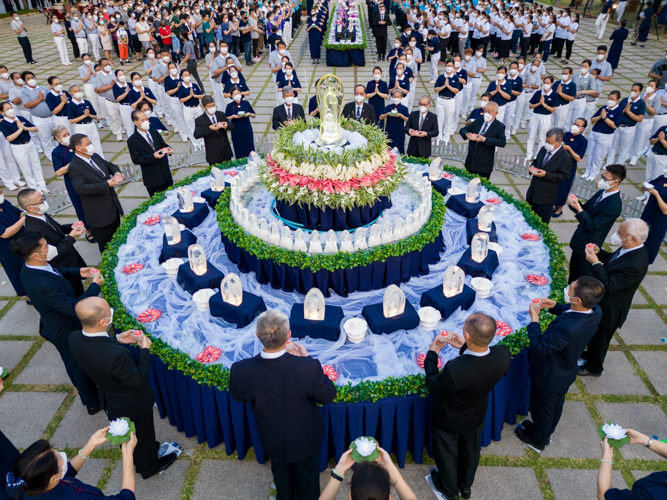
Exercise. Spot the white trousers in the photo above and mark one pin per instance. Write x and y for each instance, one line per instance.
(9, 172)
(83, 45)
(640, 144)
(217, 94)
(411, 95)
(577, 110)
(465, 100)
(476, 82)
(446, 112)
(177, 109)
(27, 158)
(525, 112)
(656, 165)
(624, 137)
(501, 113)
(44, 127)
(91, 95)
(113, 115)
(598, 147)
(541, 123)
(601, 25)
(94, 40)
(90, 131)
(658, 121)
(560, 116)
(163, 98)
(590, 111)
(433, 66)
(190, 115)
(64, 121)
(620, 10)
(510, 116)
(153, 85)
(458, 102)
(61, 45)
(126, 118)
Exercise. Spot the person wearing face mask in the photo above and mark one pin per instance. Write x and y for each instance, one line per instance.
(585, 91)
(18, 26)
(394, 53)
(359, 110)
(92, 35)
(433, 48)
(79, 30)
(212, 126)
(189, 94)
(500, 90)
(315, 33)
(121, 91)
(659, 71)
(606, 120)
(566, 91)
(42, 472)
(516, 90)
(484, 136)
(60, 237)
(149, 150)
(621, 272)
(58, 33)
(93, 179)
(33, 97)
(644, 129)
(377, 91)
(105, 81)
(603, 18)
(575, 144)
(448, 87)
(54, 298)
(543, 104)
(12, 221)
(57, 101)
(422, 126)
(288, 78)
(239, 111)
(81, 116)
(234, 79)
(634, 110)
(172, 85)
(16, 130)
(155, 123)
(596, 218)
(480, 69)
(395, 114)
(553, 356)
(552, 166)
(603, 65)
(380, 20)
(478, 113)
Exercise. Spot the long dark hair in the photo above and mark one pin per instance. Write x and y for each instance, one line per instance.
(370, 482)
(35, 467)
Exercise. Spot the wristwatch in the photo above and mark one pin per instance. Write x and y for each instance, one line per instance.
(335, 475)
(650, 442)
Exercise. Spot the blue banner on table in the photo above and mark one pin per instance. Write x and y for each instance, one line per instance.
(400, 424)
(484, 269)
(192, 219)
(448, 305)
(377, 323)
(178, 250)
(328, 328)
(191, 282)
(441, 185)
(373, 276)
(345, 58)
(339, 219)
(472, 228)
(241, 315)
(211, 196)
(458, 204)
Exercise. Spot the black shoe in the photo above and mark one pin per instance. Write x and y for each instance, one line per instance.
(95, 409)
(27, 301)
(163, 463)
(435, 479)
(582, 371)
(465, 494)
(521, 434)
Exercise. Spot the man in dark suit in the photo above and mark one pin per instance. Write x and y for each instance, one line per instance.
(55, 300)
(284, 390)
(212, 126)
(553, 356)
(551, 167)
(596, 217)
(484, 137)
(620, 272)
(422, 126)
(381, 18)
(59, 237)
(121, 377)
(286, 113)
(94, 178)
(150, 152)
(461, 393)
(360, 110)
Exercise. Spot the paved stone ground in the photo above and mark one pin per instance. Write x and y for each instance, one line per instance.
(40, 402)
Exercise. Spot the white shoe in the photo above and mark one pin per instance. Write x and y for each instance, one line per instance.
(20, 183)
(40, 150)
(119, 137)
(10, 187)
(45, 191)
(633, 163)
(523, 125)
(431, 81)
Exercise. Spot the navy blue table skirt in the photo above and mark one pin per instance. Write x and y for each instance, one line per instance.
(211, 196)
(377, 323)
(180, 249)
(373, 276)
(472, 228)
(190, 282)
(448, 305)
(401, 424)
(484, 269)
(459, 204)
(328, 328)
(192, 219)
(241, 315)
(441, 185)
(339, 219)
(344, 58)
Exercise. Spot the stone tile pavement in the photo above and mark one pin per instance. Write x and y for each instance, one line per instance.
(39, 401)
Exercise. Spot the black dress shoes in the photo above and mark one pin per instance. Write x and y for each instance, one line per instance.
(95, 410)
(582, 371)
(163, 463)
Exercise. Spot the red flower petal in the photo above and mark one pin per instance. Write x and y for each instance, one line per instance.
(149, 315)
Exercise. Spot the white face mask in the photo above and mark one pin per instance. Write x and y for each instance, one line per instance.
(145, 125)
(32, 82)
(610, 103)
(513, 72)
(457, 64)
(396, 100)
(650, 90)
(359, 99)
(408, 57)
(616, 239)
(63, 455)
(565, 77)
(377, 78)
(237, 97)
(165, 60)
(521, 66)
(77, 95)
(546, 87)
(282, 52)
(423, 109)
(289, 100)
(186, 79)
(224, 50)
(533, 69)
(138, 83)
(58, 88)
(549, 147)
(148, 113)
(467, 58)
(603, 184)
(566, 294)
(483, 104)
(500, 78)
(4, 75)
(633, 95)
(90, 150)
(233, 74)
(399, 71)
(413, 44)
(211, 110)
(600, 57)
(449, 70)
(110, 318)
(10, 113)
(397, 45)
(121, 78)
(488, 117)
(65, 140)
(574, 129)
(2, 199)
(479, 54)
(288, 72)
(43, 207)
(173, 71)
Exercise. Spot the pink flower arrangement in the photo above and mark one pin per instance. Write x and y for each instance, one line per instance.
(503, 329)
(536, 279)
(330, 372)
(422, 357)
(493, 201)
(132, 268)
(151, 221)
(209, 355)
(149, 315)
